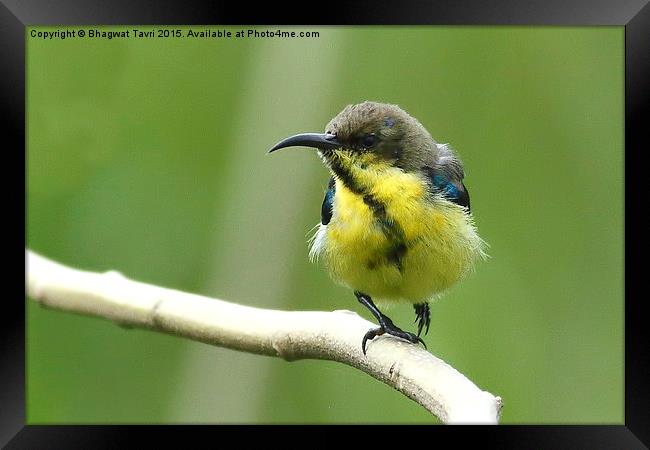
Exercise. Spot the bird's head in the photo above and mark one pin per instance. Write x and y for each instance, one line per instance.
(370, 135)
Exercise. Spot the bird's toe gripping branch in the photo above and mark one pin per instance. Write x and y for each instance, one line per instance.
(386, 326)
(372, 333)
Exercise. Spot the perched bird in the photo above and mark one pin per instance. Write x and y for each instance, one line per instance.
(395, 221)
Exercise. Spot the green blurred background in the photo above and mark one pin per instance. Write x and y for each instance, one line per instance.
(148, 156)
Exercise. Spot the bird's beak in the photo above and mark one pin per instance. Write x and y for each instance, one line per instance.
(324, 141)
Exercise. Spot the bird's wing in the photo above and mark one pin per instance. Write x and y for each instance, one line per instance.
(446, 177)
(328, 203)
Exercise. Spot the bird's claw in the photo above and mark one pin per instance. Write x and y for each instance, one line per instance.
(423, 316)
(370, 335)
(390, 328)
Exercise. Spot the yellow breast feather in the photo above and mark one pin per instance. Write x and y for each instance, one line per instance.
(441, 241)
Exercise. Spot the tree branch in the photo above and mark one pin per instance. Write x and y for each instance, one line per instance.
(291, 335)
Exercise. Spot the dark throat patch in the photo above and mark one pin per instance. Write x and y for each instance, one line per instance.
(397, 247)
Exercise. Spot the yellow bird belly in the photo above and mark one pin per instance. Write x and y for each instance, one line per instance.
(441, 242)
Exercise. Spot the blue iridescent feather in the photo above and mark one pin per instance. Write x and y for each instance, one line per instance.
(328, 203)
(454, 191)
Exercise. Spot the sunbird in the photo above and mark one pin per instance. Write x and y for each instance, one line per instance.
(395, 222)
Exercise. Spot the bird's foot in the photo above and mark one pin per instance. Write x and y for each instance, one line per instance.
(386, 326)
(422, 316)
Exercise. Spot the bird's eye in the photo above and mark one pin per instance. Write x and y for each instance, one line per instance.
(369, 140)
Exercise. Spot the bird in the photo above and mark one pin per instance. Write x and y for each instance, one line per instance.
(396, 225)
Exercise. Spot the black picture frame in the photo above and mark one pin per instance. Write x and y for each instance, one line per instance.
(634, 15)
